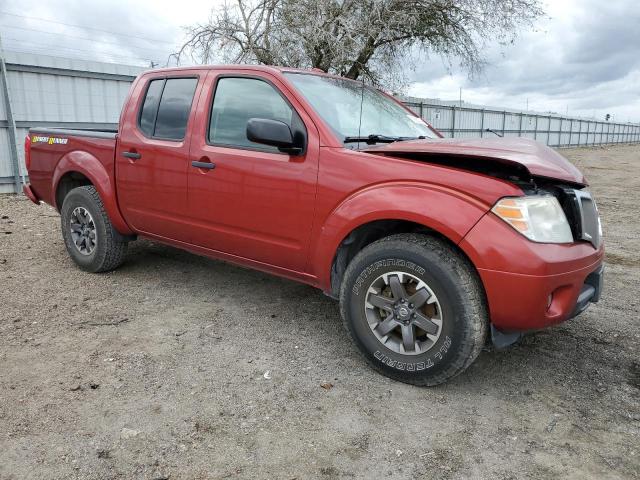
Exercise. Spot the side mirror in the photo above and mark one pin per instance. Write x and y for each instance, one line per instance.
(274, 133)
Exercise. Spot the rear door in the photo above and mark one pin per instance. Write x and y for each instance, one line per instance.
(152, 157)
(252, 201)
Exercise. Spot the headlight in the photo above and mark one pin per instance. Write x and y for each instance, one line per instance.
(538, 217)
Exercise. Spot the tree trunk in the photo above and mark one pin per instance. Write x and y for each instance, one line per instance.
(363, 58)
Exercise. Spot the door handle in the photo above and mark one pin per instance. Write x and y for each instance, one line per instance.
(132, 155)
(206, 165)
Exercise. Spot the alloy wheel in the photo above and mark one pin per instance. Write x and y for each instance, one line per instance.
(403, 313)
(83, 231)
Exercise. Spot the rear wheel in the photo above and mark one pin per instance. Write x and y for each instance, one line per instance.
(92, 242)
(415, 308)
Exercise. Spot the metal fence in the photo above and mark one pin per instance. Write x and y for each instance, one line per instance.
(42, 90)
(553, 130)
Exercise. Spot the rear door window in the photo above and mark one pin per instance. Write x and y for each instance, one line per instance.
(166, 108)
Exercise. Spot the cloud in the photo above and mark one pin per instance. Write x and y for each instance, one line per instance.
(584, 58)
(109, 30)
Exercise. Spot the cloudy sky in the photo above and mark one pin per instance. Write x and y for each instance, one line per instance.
(582, 58)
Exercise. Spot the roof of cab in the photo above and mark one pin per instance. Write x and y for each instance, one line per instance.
(259, 68)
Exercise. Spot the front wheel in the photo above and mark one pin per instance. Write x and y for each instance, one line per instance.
(415, 308)
(92, 242)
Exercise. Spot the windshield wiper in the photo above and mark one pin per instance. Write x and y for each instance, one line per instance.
(373, 139)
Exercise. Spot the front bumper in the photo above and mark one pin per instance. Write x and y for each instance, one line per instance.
(532, 285)
(590, 291)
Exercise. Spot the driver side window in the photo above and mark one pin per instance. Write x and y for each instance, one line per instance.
(236, 101)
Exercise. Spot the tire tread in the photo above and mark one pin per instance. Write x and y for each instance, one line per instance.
(115, 250)
(474, 302)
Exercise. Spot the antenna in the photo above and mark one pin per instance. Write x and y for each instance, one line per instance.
(360, 120)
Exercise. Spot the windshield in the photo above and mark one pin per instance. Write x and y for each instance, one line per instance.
(338, 101)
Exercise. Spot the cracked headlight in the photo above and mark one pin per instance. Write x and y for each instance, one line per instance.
(538, 217)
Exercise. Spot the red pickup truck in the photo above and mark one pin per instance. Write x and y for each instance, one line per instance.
(428, 243)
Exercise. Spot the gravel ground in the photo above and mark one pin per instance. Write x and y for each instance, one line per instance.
(163, 370)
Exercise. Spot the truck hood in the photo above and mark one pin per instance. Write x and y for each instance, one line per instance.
(537, 159)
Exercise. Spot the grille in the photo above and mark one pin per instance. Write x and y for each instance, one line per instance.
(582, 214)
(590, 221)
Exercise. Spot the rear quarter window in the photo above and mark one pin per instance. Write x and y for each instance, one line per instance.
(150, 107)
(166, 108)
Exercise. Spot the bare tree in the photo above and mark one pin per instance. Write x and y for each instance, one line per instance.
(371, 39)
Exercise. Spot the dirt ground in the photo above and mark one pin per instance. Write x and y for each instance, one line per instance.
(164, 370)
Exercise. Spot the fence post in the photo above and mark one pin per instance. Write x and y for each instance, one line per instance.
(504, 121)
(570, 131)
(520, 126)
(535, 132)
(482, 123)
(11, 124)
(579, 131)
(559, 134)
(601, 132)
(613, 133)
(453, 123)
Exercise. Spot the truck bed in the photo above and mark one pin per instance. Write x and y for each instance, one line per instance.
(52, 148)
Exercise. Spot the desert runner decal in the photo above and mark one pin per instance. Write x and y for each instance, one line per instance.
(49, 140)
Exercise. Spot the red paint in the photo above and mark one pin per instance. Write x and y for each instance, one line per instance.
(27, 190)
(287, 215)
(519, 276)
(538, 159)
(27, 152)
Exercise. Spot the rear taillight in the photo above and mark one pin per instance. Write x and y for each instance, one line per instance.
(27, 152)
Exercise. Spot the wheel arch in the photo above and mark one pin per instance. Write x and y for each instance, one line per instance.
(370, 232)
(80, 168)
(376, 213)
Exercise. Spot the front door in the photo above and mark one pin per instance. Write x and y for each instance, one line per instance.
(246, 199)
(152, 157)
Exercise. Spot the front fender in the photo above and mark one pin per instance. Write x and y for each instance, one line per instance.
(444, 210)
(91, 167)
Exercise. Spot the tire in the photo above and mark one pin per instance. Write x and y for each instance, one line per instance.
(103, 248)
(444, 334)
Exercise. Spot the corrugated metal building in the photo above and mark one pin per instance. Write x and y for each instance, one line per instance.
(53, 91)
